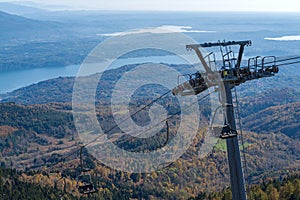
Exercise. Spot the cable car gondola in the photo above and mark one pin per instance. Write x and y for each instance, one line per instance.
(85, 184)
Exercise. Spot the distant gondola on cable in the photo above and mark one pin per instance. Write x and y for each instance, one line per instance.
(84, 181)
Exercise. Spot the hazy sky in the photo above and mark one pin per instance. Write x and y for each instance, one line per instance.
(183, 5)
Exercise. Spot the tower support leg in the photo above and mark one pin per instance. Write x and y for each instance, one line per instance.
(233, 151)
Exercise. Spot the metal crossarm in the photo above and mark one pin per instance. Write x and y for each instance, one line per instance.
(216, 44)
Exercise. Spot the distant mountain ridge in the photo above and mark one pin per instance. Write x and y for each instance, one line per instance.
(18, 9)
(15, 28)
(12, 22)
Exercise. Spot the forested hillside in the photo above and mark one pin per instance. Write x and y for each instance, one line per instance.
(286, 189)
(13, 186)
(279, 119)
(264, 109)
(35, 137)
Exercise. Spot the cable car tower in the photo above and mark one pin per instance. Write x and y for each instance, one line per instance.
(229, 75)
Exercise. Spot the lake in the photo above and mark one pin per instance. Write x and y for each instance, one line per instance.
(13, 80)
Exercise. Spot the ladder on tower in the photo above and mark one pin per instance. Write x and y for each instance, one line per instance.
(241, 138)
